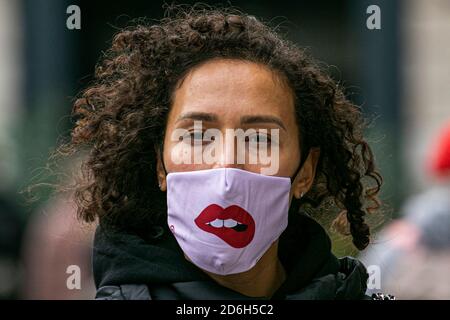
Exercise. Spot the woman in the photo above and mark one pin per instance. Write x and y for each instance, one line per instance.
(179, 219)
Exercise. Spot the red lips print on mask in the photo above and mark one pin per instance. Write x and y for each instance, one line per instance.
(233, 224)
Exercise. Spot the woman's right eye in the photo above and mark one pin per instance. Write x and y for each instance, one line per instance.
(196, 137)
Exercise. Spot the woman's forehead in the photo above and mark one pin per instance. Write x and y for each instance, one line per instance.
(230, 87)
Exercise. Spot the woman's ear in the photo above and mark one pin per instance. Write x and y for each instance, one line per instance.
(305, 178)
(160, 172)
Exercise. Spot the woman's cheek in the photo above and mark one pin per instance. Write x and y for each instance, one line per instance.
(180, 154)
(183, 157)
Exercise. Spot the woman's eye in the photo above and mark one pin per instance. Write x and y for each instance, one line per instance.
(197, 137)
(258, 138)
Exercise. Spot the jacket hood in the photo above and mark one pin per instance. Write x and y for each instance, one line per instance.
(304, 249)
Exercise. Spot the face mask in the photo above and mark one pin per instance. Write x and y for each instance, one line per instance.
(225, 219)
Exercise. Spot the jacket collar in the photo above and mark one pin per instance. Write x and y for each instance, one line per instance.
(313, 272)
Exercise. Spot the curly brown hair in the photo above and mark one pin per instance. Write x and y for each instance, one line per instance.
(121, 117)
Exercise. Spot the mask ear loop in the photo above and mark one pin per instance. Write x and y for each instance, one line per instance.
(161, 154)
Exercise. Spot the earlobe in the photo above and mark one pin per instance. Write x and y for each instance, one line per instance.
(298, 185)
(299, 189)
(161, 177)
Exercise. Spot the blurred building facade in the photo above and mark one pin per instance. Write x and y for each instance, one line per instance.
(425, 30)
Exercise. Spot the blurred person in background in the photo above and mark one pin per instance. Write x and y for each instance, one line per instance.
(55, 240)
(55, 243)
(413, 252)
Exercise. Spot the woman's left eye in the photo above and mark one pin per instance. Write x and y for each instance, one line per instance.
(258, 138)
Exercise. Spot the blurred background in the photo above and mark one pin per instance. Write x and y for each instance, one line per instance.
(399, 75)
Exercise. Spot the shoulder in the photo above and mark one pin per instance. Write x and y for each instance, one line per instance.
(123, 292)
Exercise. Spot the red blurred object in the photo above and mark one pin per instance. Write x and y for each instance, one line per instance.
(440, 153)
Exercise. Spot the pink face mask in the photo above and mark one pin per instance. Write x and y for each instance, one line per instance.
(225, 219)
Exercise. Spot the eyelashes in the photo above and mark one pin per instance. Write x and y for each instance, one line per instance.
(199, 137)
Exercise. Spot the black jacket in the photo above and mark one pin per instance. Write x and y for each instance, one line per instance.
(127, 267)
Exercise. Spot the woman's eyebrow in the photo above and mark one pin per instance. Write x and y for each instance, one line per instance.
(202, 116)
(262, 119)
